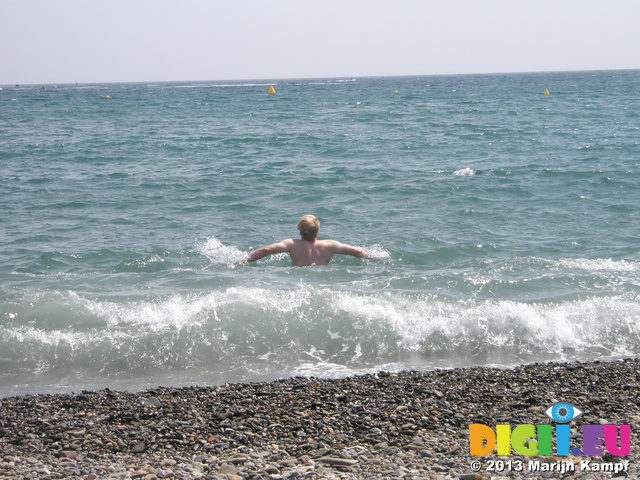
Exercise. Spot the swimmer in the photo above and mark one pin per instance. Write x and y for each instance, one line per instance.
(308, 250)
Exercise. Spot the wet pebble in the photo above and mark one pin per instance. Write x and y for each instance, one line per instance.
(410, 425)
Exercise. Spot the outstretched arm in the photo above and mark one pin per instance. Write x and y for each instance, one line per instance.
(344, 249)
(280, 247)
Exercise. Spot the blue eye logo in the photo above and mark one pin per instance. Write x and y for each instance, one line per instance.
(563, 412)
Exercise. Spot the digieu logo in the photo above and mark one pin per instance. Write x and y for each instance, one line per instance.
(563, 412)
(531, 440)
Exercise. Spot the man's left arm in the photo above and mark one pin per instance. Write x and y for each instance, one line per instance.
(344, 249)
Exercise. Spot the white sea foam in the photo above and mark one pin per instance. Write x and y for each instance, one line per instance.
(48, 338)
(315, 330)
(422, 322)
(465, 172)
(600, 264)
(377, 251)
(419, 322)
(221, 254)
(175, 312)
(323, 369)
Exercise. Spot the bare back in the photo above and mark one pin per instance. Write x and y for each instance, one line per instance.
(305, 253)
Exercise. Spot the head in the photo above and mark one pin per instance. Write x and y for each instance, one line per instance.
(309, 227)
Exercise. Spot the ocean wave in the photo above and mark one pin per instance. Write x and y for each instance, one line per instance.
(321, 330)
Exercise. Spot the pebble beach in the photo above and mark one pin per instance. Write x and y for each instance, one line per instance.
(410, 425)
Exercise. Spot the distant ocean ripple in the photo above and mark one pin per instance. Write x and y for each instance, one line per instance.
(504, 223)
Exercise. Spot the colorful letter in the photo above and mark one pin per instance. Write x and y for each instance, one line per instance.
(478, 435)
(503, 432)
(611, 439)
(544, 439)
(563, 435)
(592, 439)
(520, 435)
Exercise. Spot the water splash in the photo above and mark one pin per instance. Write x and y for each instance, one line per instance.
(324, 330)
(220, 254)
(465, 172)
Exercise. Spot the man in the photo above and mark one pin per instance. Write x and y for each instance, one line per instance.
(308, 250)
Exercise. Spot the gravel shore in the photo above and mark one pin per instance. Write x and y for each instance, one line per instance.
(411, 425)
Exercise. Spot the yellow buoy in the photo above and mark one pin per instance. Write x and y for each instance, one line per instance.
(395, 91)
(546, 92)
(271, 90)
(107, 96)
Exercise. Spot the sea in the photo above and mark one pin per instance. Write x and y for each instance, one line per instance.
(501, 213)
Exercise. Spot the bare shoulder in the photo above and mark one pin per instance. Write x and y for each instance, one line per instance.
(280, 247)
(334, 243)
(326, 243)
(331, 245)
(284, 246)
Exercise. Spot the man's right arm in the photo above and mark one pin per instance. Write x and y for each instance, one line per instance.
(280, 247)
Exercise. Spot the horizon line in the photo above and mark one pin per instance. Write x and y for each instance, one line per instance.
(354, 77)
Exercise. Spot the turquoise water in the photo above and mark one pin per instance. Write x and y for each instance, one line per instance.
(503, 222)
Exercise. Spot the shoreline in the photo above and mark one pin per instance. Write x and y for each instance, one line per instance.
(411, 425)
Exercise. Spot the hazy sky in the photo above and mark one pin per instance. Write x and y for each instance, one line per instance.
(68, 41)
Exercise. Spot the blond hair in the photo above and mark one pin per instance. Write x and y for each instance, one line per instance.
(309, 227)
